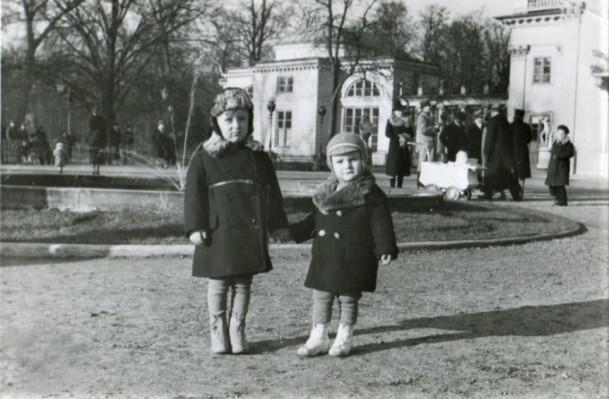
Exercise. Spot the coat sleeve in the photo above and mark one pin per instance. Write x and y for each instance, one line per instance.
(389, 131)
(196, 199)
(489, 139)
(444, 135)
(382, 226)
(565, 151)
(277, 218)
(303, 230)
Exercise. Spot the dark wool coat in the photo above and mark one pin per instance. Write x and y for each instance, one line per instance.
(232, 193)
(558, 168)
(499, 151)
(474, 140)
(98, 138)
(351, 229)
(454, 139)
(521, 136)
(398, 158)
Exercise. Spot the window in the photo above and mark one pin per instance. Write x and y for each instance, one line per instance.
(363, 88)
(354, 116)
(284, 128)
(250, 91)
(285, 84)
(542, 70)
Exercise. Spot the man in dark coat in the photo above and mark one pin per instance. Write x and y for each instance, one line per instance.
(453, 137)
(558, 168)
(98, 140)
(114, 142)
(499, 152)
(474, 137)
(522, 136)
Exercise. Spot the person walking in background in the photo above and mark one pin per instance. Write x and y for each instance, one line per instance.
(399, 132)
(128, 146)
(559, 166)
(441, 149)
(453, 136)
(352, 232)
(61, 156)
(163, 147)
(232, 202)
(499, 153)
(98, 140)
(427, 133)
(474, 136)
(521, 136)
(114, 142)
(68, 140)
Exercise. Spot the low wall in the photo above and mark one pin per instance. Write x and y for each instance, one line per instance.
(80, 199)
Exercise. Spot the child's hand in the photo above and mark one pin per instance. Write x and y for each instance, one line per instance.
(282, 235)
(198, 237)
(386, 259)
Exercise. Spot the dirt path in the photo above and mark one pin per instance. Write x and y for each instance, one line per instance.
(528, 321)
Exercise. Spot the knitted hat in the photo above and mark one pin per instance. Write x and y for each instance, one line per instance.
(344, 143)
(232, 98)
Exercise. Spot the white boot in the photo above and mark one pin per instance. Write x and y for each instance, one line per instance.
(236, 331)
(343, 342)
(219, 333)
(318, 342)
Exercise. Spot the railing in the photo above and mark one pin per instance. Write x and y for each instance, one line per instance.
(543, 4)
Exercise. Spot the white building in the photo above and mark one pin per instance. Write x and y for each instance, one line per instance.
(559, 70)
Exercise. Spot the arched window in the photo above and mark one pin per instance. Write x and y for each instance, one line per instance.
(250, 91)
(363, 88)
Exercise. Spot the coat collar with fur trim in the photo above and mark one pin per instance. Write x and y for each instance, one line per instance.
(353, 195)
(217, 146)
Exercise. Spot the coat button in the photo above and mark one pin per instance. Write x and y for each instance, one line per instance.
(339, 213)
(336, 235)
(322, 233)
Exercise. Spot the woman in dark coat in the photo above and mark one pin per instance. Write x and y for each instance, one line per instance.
(98, 140)
(559, 166)
(399, 132)
(232, 201)
(521, 136)
(499, 154)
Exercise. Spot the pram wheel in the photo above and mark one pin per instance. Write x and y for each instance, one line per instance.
(453, 194)
(432, 188)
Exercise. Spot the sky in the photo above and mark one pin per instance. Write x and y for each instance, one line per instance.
(491, 8)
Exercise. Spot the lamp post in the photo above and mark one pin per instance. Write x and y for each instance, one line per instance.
(64, 89)
(270, 106)
(321, 111)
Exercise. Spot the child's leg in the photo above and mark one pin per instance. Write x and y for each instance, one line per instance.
(552, 191)
(240, 300)
(217, 290)
(561, 195)
(392, 182)
(318, 341)
(400, 181)
(348, 303)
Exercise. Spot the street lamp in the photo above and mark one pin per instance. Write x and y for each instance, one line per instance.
(64, 89)
(271, 106)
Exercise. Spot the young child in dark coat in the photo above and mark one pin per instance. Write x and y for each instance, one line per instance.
(232, 201)
(352, 231)
(559, 166)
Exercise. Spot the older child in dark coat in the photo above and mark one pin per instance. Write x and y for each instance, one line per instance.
(232, 201)
(351, 230)
(558, 169)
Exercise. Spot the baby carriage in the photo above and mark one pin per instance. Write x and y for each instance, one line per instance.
(455, 179)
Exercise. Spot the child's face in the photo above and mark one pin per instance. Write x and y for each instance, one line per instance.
(560, 135)
(347, 166)
(234, 124)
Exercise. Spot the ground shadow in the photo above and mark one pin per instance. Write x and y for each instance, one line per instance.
(523, 321)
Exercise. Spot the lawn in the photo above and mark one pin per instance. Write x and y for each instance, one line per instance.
(450, 221)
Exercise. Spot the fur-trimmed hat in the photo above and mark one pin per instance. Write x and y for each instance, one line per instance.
(519, 113)
(344, 143)
(232, 98)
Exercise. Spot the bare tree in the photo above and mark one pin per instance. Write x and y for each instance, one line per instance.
(395, 25)
(433, 22)
(110, 42)
(262, 21)
(40, 19)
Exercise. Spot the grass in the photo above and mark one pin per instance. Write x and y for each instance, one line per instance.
(450, 221)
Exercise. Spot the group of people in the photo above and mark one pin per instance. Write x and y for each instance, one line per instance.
(108, 142)
(35, 148)
(233, 201)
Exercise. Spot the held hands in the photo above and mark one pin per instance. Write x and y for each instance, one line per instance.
(281, 235)
(386, 259)
(198, 237)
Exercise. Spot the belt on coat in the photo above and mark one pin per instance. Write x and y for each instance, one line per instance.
(236, 181)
